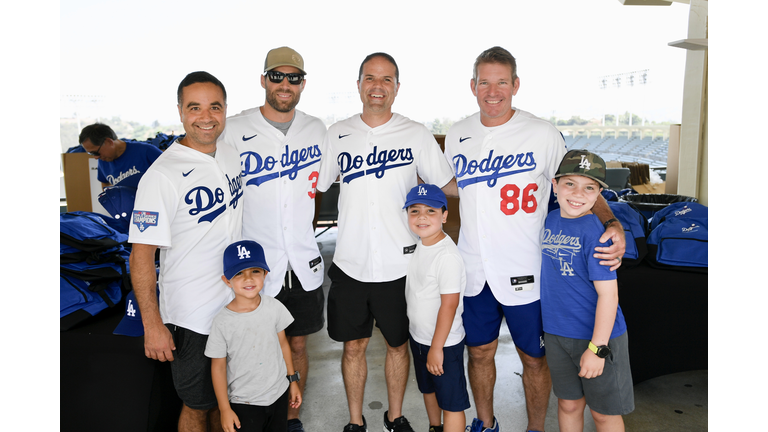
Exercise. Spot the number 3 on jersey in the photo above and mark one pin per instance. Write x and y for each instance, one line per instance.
(313, 178)
(512, 200)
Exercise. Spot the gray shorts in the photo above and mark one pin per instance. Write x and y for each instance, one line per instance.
(191, 369)
(610, 393)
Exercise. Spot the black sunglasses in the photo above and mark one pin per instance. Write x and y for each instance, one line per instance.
(277, 77)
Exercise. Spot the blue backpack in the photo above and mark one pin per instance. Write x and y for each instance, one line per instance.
(635, 231)
(94, 270)
(680, 243)
(679, 210)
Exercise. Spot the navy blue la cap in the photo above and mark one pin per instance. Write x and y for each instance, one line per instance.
(131, 324)
(243, 255)
(428, 194)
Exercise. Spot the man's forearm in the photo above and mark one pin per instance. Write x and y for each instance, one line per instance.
(144, 280)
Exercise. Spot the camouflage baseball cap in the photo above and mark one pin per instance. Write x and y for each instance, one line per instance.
(582, 162)
(283, 56)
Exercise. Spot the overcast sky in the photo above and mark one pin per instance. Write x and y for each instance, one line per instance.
(131, 55)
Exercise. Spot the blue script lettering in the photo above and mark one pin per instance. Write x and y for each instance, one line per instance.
(202, 199)
(378, 162)
(253, 164)
(498, 167)
(235, 190)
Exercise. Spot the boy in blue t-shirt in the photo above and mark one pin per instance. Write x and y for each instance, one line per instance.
(585, 334)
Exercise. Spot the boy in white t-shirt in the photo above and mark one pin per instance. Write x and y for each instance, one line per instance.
(250, 355)
(434, 289)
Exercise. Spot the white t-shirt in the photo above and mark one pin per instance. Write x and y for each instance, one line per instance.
(433, 271)
(279, 175)
(504, 177)
(256, 368)
(378, 167)
(187, 204)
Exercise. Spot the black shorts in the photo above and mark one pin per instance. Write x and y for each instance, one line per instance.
(191, 369)
(256, 418)
(354, 305)
(306, 307)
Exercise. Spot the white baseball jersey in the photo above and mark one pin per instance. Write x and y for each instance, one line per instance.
(504, 177)
(188, 204)
(433, 271)
(280, 173)
(378, 166)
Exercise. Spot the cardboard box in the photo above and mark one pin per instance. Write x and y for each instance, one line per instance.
(81, 185)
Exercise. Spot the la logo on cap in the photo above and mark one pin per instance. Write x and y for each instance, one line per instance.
(422, 190)
(584, 162)
(242, 252)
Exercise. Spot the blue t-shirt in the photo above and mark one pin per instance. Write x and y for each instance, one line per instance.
(568, 295)
(130, 166)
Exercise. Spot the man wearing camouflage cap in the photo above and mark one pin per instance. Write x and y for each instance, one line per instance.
(504, 159)
(279, 149)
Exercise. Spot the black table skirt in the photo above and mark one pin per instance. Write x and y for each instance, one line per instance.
(108, 384)
(666, 313)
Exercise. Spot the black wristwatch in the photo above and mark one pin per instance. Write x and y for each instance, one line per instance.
(609, 222)
(601, 351)
(294, 377)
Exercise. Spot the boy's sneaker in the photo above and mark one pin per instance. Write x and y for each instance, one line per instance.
(399, 425)
(477, 426)
(351, 427)
(436, 428)
(294, 425)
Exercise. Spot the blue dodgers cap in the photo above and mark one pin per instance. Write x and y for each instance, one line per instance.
(428, 194)
(131, 324)
(243, 255)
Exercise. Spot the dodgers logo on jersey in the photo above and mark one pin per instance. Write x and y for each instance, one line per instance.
(492, 168)
(202, 199)
(378, 162)
(291, 162)
(122, 176)
(235, 190)
(144, 219)
(561, 248)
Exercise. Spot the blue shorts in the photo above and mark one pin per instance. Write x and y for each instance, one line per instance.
(450, 388)
(482, 321)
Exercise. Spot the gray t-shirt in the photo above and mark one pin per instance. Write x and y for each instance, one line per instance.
(255, 366)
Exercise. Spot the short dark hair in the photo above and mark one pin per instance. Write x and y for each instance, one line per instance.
(379, 54)
(499, 55)
(199, 77)
(96, 134)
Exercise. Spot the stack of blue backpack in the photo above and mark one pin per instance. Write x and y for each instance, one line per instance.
(679, 236)
(675, 237)
(94, 270)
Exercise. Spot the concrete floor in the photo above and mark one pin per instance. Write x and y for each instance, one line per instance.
(676, 402)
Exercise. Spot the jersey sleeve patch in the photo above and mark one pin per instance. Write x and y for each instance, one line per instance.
(144, 219)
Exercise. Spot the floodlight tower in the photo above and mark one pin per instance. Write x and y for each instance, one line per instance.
(621, 83)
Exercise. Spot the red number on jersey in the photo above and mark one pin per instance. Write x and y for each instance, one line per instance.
(313, 178)
(511, 201)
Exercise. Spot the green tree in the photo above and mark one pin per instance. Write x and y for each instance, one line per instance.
(440, 127)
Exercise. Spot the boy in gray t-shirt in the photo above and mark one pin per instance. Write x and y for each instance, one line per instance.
(250, 355)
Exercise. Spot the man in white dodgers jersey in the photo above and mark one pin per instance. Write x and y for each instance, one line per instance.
(504, 159)
(377, 155)
(280, 151)
(187, 205)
